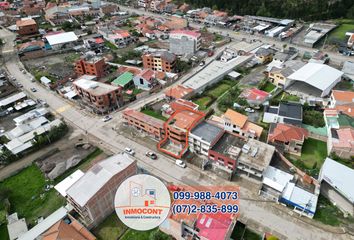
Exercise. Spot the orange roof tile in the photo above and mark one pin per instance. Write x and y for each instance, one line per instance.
(286, 133)
(185, 119)
(236, 118)
(343, 96)
(27, 22)
(178, 91)
(251, 127)
(63, 230)
(345, 138)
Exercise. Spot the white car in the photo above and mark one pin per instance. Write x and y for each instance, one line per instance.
(107, 118)
(181, 164)
(129, 151)
(250, 110)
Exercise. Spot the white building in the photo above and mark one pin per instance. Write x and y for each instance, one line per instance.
(337, 185)
(61, 40)
(318, 76)
(184, 42)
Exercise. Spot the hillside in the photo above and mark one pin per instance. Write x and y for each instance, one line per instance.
(297, 9)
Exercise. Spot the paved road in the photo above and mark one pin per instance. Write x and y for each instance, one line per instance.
(266, 217)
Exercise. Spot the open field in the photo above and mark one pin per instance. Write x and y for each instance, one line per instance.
(27, 195)
(110, 228)
(346, 25)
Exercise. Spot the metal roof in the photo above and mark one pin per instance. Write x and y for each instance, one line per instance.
(339, 176)
(68, 182)
(94, 179)
(60, 38)
(276, 178)
(318, 75)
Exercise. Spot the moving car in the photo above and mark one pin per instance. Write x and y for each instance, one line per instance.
(33, 89)
(151, 155)
(106, 118)
(181, 163)
(250, 110)
(129, 151)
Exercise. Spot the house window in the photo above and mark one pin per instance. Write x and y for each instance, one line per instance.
(141, 81)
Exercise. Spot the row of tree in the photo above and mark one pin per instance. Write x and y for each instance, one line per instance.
(296, 9)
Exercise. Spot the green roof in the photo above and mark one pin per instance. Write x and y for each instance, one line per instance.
(123, 79)
(345, 120)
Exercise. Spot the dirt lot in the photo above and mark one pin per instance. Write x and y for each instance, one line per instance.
(57, 65)
(66, 156)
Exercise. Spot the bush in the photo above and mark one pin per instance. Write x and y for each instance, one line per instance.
(313, 118)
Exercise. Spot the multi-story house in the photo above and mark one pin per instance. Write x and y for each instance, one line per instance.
(101, 97)
(92, 196)
(160, 61)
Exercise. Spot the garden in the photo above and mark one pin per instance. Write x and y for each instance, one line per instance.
(212, 93)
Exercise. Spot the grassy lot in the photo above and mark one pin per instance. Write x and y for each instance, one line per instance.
(154, 114)
(3, 232)
(145, 235)
(329, 214)
(268, 87)
(284, 97)
(313, 151)
(203, 102)
(27, 196)
(71, 58)
(110, 45)
(344, 85)
(219, 90)
(212, 93)
(346, 25)
(111, 228)
(83, 165)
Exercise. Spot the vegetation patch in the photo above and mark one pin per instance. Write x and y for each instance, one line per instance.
(313, 118)
(154, 234)
(26, 195)
(110, 228)
(150, 111)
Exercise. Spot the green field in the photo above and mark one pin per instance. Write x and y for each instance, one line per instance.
(154, 234)
(346, 25)
(212, 93)
(111, 228)
(3, 232)
(313, 151)
(27, 196)
(203, 102)
(268, 87)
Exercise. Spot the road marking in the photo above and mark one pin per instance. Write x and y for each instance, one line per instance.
(63, 108)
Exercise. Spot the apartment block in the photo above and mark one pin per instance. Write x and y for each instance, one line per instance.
(92, 196)
(160, 61)
(26, 27)
(91, 66)
(101, 97)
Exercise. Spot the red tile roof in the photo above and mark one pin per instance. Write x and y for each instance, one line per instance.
(343, 96)
(147, 74)
(345, 138)
(286, 133)
(178, 91)
(211, 227)
(27, 22)
(122, 33)
(99, 40)
(181, 104)
(255, 94)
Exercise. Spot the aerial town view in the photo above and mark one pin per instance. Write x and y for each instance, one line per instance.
(176, 120)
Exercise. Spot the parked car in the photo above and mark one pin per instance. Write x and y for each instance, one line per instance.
(33, 89)
(151, 155)
(181, 163)
(106, 118)
(129, 151)
(32, 79)
(249, 110)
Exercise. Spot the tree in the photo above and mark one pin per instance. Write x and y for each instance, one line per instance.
(263, 11)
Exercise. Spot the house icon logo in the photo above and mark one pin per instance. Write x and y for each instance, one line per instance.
(142, 202)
